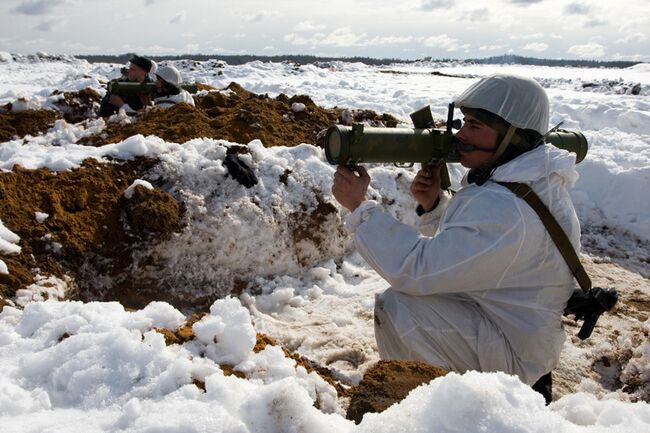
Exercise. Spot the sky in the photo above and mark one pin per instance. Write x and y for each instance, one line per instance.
(408, 29)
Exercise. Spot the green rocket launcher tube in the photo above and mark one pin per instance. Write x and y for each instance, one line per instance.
(134, 88)
(347, 145)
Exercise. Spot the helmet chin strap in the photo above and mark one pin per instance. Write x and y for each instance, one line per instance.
(484, 172)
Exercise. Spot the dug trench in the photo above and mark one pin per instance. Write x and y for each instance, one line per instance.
(91, 230)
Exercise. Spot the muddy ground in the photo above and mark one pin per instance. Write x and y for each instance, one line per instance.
(92, 229)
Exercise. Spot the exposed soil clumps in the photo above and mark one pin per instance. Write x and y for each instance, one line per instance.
(17, 124)
(151, 212)
(304, 225)
(387, 383)
(185, 333)
(240, 116)
(88, 223)
(78, 106)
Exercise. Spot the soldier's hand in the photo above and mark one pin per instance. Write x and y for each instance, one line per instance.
(425, 188)
(350, 186)
(145, 98)
(116, 100)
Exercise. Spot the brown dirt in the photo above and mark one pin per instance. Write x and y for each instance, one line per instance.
(73, 107)
(302, 223)
(387, 383)
(78, 106)
(239, 116)
(98, 228)
(87, 216)
(29, 122)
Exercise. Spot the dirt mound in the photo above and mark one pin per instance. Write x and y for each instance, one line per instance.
(239, 116)
(29, 122)
(89, 223)
(151, 212)
(78, 106)
(387, 383)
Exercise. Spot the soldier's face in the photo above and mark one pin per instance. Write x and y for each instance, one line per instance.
(136, 73)
(482, 137)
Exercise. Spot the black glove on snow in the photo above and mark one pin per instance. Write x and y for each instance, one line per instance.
(240, 171)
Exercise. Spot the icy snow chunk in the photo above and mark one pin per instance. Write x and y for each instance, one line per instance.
(298, 107)
(3, 268)
(131, 189)
(162, 315)
(42, 289)
(227, 332)
(15, 400)
(41, 216)
(7, 234)
(8, 241)
(22, 104)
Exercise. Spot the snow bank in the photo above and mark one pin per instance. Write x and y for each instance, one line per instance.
(76, 367)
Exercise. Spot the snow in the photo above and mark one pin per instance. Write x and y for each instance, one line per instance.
(95, 367)
(41, 216)
(8, 245)
(128, 193)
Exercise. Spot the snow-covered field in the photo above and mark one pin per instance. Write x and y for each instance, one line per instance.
(74, 367)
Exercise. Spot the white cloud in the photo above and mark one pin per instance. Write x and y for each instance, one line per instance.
(345, 37)
(389, 40)
(474, 15)
(153, 49)
(591, 50)
(576, 8)
(307, 26)
(441, 41)
(37, 7)
(595, 22)
(295, 39)
(525, 2)
(526, 37)
(37, 42)
(50, 24)
(179, 17)
(632, 37)
(342, 37)
(633, 25)
(191, 49)
(491, 47)
(536, 46)
(260, 16)
(429, 5)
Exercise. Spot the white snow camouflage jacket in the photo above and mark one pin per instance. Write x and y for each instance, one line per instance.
(492, 249)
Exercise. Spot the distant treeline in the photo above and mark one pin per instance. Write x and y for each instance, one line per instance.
(305, 59)
(510, 59)
(240, 59)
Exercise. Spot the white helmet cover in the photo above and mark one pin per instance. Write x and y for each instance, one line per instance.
(169, 74)
(520, 101)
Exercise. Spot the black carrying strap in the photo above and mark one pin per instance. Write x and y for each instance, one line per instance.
(560, 238)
